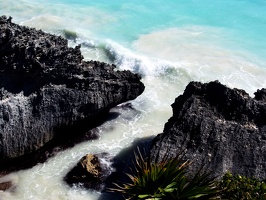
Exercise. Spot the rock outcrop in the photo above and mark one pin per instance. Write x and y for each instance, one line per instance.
(90, 172)
(46, 87)
(221, 128)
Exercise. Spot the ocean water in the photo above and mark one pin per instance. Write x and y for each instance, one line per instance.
(170, 43)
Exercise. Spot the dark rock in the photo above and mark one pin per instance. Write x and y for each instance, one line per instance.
(260, 94)
(220, 128)
(8, 182)
(5, 186)
(122, 164)
(90, 172)
(46, 87)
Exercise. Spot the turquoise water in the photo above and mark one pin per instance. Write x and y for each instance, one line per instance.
(242, 22)
(168, 42)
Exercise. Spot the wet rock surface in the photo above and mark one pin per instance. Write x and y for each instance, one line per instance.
(219, 128)
(5, 186)
(48, 91)
(90, 172)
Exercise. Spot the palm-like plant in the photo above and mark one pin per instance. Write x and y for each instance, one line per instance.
(165, 180)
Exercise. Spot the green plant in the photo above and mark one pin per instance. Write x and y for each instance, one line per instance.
(165, 180)
(242, 188)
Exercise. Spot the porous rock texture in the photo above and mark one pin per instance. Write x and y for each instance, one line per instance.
(220, 128)
(46, 87)
(90, 172)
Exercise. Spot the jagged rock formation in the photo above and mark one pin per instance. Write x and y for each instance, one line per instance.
(222, 128)
(46, 87)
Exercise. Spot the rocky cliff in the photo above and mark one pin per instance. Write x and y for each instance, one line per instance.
(221, 128)
(46, 87)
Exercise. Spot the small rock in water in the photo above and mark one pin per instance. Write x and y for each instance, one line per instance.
(6, 185)
(90, 173)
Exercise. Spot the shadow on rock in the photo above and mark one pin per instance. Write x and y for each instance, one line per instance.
(68, 137)
(122, 164)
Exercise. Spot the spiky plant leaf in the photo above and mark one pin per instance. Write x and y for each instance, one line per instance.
(166, 180)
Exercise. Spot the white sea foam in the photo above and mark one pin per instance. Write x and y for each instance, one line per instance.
(212, 62)
(150, 111)
(206, 53)
(199, 61)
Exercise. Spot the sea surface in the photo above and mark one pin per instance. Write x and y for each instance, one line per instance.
(168, 42)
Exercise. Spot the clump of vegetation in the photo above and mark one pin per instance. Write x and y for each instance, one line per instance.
(242, 188)
(167, 180)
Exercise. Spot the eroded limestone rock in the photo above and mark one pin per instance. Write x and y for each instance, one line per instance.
(221, 128)
(46, 88)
